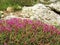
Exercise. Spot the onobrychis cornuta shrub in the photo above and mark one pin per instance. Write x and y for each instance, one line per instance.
(17, 31)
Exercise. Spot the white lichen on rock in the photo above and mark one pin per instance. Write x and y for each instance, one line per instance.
(48, 1)
(55, 6)
(40, 12)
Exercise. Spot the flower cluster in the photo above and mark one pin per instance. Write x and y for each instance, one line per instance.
(18, 31)
(18, 23)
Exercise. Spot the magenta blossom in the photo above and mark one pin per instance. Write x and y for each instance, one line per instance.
(18, 23)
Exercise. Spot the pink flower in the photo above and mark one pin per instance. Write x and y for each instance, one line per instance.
(58, 32)
(8, 28)
(30, 22)
(17, 23)
(46, 28)
(5, 43)
(25, 21)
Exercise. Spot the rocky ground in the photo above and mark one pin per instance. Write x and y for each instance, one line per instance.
(46, 13)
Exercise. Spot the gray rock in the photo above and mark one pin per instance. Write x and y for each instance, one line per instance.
(48, 1)
(55, 6)
(42, 13)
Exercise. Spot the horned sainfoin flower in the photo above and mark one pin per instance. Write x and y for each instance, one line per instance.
(17, 23)
(5, 43)
(1, 21)
(30, 22)
(53, 29)
(50, 28)
(38, 23)
(46, 28)
(8, 28)
(58, 32)
(25, 21)
(1, 25)
(10, 22)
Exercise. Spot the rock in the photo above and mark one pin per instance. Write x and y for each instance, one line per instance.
(10, 9)
(53, 1)
(42, 13)
(2, 16)
(47, 1)
(55, 6)
(11, 15)
(58, 19)
(27, 11)
(1, 12)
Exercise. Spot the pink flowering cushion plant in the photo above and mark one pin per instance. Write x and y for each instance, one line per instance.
(17, 31)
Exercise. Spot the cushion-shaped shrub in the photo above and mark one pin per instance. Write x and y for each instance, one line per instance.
(17, 31)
